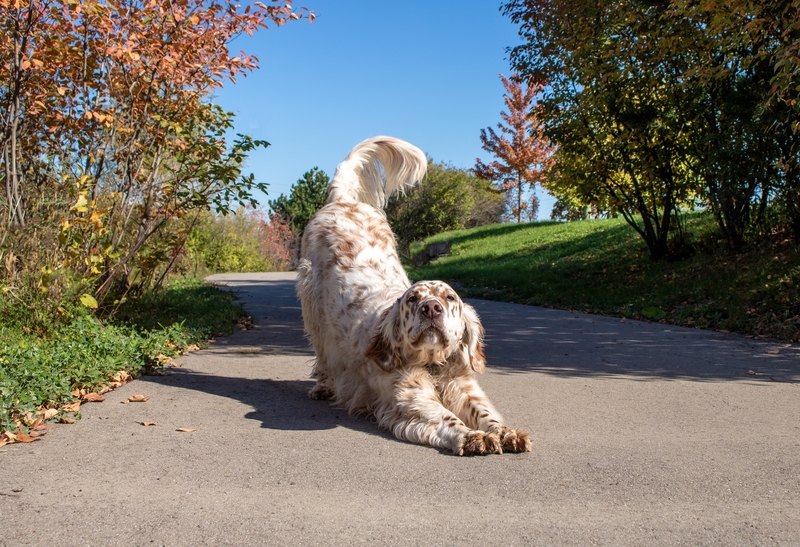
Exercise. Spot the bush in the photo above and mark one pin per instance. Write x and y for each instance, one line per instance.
(447, 198)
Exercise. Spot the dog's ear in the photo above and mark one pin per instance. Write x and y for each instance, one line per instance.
(384, 345)
(472, 340)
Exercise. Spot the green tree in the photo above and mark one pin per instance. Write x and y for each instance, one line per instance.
(447, 198)
(610, 106)
(307, 196)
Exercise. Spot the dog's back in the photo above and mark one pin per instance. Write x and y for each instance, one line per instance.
(349, 270)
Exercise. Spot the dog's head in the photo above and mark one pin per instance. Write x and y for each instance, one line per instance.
(428, 324)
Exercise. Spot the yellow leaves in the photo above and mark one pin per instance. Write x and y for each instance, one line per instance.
(138, 398)
(80, 206)
(88, 301)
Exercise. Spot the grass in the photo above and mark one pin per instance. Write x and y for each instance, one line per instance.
(603, 267)
(38, 373)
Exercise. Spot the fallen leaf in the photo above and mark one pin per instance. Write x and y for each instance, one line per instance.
(73, 407)
(104, 389)
(67, 420)
(3, 442)
(44, 427)
(24, 438)
(9, 436)
(50, 413)
(35, 433)
(138, 398)
(37, 422)
(149, 423)
(93, 398)
(186, 429)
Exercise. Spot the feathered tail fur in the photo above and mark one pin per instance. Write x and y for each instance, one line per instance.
(376, 169)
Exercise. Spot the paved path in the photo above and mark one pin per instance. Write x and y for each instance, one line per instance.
(645, 434)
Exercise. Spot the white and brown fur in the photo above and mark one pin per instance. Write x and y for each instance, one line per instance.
(405, 354)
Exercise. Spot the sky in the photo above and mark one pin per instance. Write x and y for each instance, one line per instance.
(425, 72)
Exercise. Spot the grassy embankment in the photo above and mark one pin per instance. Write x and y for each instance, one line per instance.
(48, 376)
(602, 267)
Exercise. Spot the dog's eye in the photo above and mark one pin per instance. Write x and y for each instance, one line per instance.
(451, 297)
(412, 298)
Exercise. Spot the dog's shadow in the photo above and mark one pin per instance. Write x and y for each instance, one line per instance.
(277, 404)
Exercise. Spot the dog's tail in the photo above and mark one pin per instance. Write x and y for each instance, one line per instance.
(375, 169)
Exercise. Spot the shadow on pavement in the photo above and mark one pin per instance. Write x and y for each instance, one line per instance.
(277, 404)
(530, 339)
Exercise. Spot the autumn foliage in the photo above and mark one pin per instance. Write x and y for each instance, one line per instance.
(521, 149)
(108, 133)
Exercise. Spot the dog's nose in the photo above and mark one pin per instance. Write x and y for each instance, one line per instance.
(431, 309)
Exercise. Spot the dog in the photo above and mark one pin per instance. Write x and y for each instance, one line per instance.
(404, 354)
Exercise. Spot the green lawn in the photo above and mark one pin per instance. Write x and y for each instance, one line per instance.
(603, 267)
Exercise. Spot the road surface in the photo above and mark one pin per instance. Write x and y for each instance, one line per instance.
(644, 434)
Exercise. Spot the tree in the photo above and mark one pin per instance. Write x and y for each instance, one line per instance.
(307, 196)
(447, 198)
(610, 106)
(107, 132)
(521, 149)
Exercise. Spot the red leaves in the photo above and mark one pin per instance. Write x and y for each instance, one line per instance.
(522, 151)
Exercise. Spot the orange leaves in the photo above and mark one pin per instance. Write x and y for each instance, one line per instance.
(138, 398)
(93, 398)
(35, 424)
(523, 152)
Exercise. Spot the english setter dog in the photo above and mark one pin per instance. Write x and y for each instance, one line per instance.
(405, 354)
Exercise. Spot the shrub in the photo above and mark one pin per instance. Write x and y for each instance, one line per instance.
(447, 198)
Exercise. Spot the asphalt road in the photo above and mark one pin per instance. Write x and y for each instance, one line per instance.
(644, 434)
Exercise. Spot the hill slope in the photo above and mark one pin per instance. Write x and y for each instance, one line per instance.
(602, 266)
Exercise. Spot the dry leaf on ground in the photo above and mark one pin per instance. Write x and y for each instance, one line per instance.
(50, 413)
(149, 423)
(138, 398)
(186, 429)
(73, 407)
(24, 438)
(67, 420)
(93, 398)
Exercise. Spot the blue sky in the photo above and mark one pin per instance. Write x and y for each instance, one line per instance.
(426, 72)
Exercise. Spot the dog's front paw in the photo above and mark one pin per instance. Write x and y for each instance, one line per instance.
(479, 443)
(321, 392)
(513, 440)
